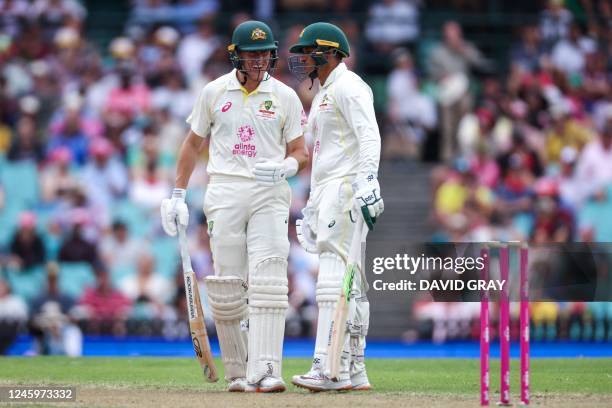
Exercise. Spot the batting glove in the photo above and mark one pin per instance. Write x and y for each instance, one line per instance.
(367, 198)
(269, 173)
(174, 212)
(305, 235)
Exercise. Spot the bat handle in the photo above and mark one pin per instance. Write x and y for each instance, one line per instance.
(184, 249)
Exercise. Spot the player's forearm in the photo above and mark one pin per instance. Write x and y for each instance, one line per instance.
(188, 156)
(297, 150)
(302, 158)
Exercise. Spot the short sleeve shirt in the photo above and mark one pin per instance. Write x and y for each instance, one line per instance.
(246, 128)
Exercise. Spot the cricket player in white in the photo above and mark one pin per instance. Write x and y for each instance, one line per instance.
(344, 186)
(253, 126)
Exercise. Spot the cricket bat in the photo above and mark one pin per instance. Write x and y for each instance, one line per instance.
(337, 330)
(197, 327)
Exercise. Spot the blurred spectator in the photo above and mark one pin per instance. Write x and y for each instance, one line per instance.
(52, 292)
(555, 22)
(392, 23)
(449, 65)
(195, 49)
(564, 131)
(131, 97)
(13, 313)
(11, 12)
(156, 56)
(150, 188)
(569, 54)
(150, 12)
(484, 165)
(594, 169)
(104, 177)
(103, 306)
(553, 223)
(173, 95)
(51, 326)
(70, 130)
(57, 179)
(57, 334)
(120, 250)
(412, 114)
(170, 135)
(147, 285)
(25, 145)
(522, 158)
(75, 247)
(475, 128)
(570, 190)
(55, 13)
(457, 190)
(27, 249)
(529, 51)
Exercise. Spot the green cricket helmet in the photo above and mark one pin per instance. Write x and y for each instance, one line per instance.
(323, 38)
(252, 36)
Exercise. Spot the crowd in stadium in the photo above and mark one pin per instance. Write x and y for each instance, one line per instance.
(89, 138)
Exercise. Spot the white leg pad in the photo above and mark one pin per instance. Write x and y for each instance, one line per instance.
(357, 323)
(228, 303)
(358, 330)
(329, 283)
(268, 305)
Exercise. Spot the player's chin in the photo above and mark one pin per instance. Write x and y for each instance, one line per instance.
(257, 75)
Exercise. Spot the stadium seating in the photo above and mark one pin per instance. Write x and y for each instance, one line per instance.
(74, 278)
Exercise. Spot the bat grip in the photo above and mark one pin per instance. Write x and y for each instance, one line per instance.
(184, 249)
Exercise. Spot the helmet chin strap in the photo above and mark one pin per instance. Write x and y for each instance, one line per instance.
(313, 75)
(246, 76)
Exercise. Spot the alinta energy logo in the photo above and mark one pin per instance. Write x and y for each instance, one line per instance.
(245, 134)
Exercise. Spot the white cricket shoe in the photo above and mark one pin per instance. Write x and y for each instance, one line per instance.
(316, 381)
(267, 384)
(238, 384)
(360, 382)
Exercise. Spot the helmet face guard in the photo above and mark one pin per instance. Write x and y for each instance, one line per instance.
(239, 63)
(300, 66)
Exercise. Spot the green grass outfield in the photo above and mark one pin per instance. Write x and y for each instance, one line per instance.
(575, 378)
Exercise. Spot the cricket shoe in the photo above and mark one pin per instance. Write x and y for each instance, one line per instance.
(360, 382)
(316, 381)
(238, 384)
(267, 384)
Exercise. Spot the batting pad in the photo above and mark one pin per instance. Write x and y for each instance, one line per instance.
(329, 283)
(268, 304)
(358, 323)
(227, 299)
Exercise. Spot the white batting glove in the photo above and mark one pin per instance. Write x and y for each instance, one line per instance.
(305, 235)
(174, 212)
(367, 198)
(268, 173)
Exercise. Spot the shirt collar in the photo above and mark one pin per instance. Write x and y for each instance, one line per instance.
(335, 74)
(234, 85)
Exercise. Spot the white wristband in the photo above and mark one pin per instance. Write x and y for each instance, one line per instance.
(179, 193)
(291, 165)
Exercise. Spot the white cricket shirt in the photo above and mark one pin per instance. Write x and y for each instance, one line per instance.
(246, 128)
(344, 129)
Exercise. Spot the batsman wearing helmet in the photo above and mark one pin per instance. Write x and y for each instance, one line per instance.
(344, 186)
(252, 125)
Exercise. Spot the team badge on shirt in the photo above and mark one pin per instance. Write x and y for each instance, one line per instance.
(325, 104)
(266, 110)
